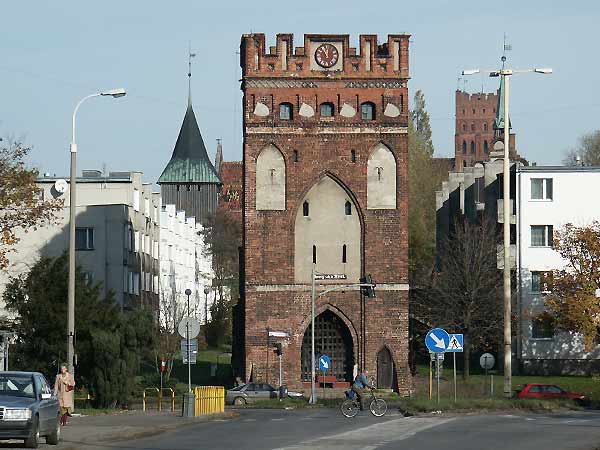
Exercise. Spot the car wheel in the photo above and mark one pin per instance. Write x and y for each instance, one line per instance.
(54, 437)
(239, 401)
(34, 438)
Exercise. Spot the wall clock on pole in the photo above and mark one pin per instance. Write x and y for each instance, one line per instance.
(326, 55)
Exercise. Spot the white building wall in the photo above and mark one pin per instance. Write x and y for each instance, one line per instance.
(573, 188)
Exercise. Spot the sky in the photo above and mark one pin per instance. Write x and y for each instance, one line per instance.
(55, 52)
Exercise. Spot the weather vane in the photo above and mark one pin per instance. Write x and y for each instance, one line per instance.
(190, 56)
(506, 47)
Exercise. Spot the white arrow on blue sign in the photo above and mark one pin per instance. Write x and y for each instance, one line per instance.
(455, 344)
(324, 363)
(437, 340)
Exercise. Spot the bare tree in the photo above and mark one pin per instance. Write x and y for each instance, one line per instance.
(465, 294)
(587, 151)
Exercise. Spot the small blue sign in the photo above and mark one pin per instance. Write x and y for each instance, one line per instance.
(455, 344)
(437, 340)
(324, 363)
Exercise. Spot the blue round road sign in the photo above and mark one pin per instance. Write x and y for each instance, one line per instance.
(437, 340)
(324, 363)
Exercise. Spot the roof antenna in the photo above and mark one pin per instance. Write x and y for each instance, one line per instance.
(505, 48)
(190, 56)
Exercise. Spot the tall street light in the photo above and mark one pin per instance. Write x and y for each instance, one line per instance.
(505, 74)
(206, 292)
(115, 93)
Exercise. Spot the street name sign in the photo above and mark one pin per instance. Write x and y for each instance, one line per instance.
(455, 343)
(193, 350)
(324, 363)
(437, 340)
(194, 327)
(330, 276)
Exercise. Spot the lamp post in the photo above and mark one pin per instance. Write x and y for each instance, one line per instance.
(505, 74)
(115, 93)
(206, 291)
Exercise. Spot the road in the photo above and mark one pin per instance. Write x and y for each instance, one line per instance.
(326, 429)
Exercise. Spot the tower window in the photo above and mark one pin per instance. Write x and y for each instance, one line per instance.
(485, 127)
(344, 254)
(305, 209)
(367, 111)
(348, 208)
(472, 147)
(472, 127)
(295, 155)
(353, 156)
(464, 127)
(473, 111)
(314, 254)
(286, 111)
(464, 148)
(483, 110)
(327, 109)
(486, 148)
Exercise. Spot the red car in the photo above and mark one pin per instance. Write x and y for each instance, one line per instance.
(550, 391)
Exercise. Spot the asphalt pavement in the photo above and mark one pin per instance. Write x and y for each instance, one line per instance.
(327, 429)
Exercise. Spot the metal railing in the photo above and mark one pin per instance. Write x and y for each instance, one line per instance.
(159, 397)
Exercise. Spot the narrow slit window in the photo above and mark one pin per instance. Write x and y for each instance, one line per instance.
(348, 208)
(464, 148)
(314, 254)
(472, 147)
(353, 155)
(344, 259)
(295, 155)
(305, 209)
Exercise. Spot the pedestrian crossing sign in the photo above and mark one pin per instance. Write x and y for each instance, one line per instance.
(455, 344)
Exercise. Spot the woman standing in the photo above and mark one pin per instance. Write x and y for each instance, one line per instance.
(64, 386)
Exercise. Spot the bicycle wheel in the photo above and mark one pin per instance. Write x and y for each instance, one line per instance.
(349, 408)
(378, 407)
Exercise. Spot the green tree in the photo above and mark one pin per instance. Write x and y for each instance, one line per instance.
(424, 178)
(587, 150)
(21, 206)
(109, 343)
(572, 301)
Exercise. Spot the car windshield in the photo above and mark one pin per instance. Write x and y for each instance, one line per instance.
(239, 388)
(17, 385)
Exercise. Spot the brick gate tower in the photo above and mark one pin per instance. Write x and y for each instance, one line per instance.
(325, 184)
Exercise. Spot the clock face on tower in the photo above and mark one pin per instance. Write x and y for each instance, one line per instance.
(326, 56)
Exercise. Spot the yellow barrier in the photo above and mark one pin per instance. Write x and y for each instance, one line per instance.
(209, 400)
(160, 395)
(145, 397)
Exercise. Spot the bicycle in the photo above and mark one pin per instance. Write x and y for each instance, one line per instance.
(351, 405)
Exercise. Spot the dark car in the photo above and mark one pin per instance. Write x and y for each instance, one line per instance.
(251, 392)
(28, 408)
(550, 391)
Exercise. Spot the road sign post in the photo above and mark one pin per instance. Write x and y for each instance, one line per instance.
(487, 361)
(455, 345)
(437, 341)
(324, 366)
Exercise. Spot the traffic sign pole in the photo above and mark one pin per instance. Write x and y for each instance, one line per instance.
(437, 361)
(454, 361)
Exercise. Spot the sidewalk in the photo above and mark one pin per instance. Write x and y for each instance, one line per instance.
(90, 430)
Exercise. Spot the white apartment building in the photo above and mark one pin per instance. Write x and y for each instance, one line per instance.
(183, 265)
(117, 235)
(548, 198)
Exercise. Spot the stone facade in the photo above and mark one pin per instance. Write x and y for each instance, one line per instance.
(341, 126)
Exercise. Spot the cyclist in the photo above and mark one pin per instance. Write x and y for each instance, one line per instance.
(361, 382)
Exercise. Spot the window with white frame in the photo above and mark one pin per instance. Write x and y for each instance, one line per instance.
(155, 280)
(84, 238)
(136, 200)
(542, 327)
(541, 189)
(541, 235)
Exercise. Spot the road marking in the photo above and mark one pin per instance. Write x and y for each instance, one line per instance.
(249, 420)
(281, 418)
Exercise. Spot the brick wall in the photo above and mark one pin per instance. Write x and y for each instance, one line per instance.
(230, 196)
(323, 147)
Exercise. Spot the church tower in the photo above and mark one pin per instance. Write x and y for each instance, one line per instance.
(190, 181)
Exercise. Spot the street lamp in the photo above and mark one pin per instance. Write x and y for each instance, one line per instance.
(206, 291)
(114, 93)
(505, 74)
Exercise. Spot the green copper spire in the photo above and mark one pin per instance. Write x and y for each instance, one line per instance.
(499, 121)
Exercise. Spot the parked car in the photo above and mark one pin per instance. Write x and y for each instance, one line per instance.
(28, 409)
(251, 392)
(550, 391)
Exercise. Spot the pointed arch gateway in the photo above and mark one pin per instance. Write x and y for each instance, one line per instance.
(334, 339)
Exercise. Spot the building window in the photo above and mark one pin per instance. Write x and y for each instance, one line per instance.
(483, 110)
(464, 112)
(486, 148)
(464, 127)
(136, 200)
(344, 260)
(464, 148)
(147, 207)
(353, 156)
(541, 235)
(367, 111)
(88, 277)
(348, 208)
(285, 111)
(326, 109)
(541, 189)
(295, 155)
(542, 327)
(472, 127)
(305, 209)
(84, 238)
(485, 127)
(472, 147)
(473, 110)
(314, 254)
(541, 281)
(480, 190)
